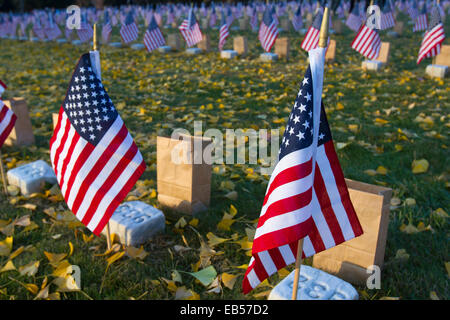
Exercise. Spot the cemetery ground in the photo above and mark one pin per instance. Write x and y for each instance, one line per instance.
(383, 125)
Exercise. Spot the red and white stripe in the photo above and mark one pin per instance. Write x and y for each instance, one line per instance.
(353, 22)
(7, 121)
(387, 20)
(129, 32)
(268, 35)
(311, 39)
(223, 35)
(193, 35)
(2, 87)
(106, 32)
(431, 43)
(153, 39)
(367, 42)
(421, 23)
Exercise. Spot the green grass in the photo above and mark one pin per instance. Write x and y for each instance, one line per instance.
(156, 93)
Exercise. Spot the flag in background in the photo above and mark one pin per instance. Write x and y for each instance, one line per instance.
(307, 196)
(254, 20)
(51, 30)
(212, 17)
(223, 32)
(433, 38)
(106, 29)
(190, 30)
(153, 38)
(129, 30)
(413, 11)
(268, 30)
(94, 157)
(421, 20)
(367, 42)
(297, 21)
(86, 32)
(387, 18)
(354, 20)
(311, 39)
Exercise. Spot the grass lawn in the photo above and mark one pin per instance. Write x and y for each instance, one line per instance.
(379, 121)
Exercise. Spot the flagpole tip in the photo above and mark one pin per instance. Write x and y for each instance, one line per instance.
(94, 40)
(323, 36)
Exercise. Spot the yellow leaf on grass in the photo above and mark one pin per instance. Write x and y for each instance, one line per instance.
(54, 258)
(32, 288)
(382, 170)
(409, 229)
(66, 284)
(225, 224)
(228, 280)
(16, 253)
(8, 267)
(214, 240)
(70, 250)
(339, 106)
(233, 210)
(434, 296)
(116, 256)
(29, 269)
(181, 223)
(64, 268)
(401, 254)
(283, 273)
(182, 293)
(420, 166)
(440, 213)
(6, 246)
(370, 172)
(87, 239)
(136, 253)
(447, 267)
(193, 222)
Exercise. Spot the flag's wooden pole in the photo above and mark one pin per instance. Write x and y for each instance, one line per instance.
(95, 47)
(323, 41)
(5, 189)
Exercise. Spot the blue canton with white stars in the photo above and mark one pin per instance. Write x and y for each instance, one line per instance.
(299, 130)
(87, 105)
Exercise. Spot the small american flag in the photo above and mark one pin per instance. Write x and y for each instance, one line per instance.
(7, 117)
(153, 38)
(367, 42)
(94, 157)
(268, 30)
(107, 29)
(223, 32)
(129, 30)
(85, 33)
(311, 39)
(433, 38)
(52, 30)
(254, 20)
(354, 20)
(421, 20)
(213, 17)
(297, 21)
(37, 29)
(307, 196)
(412, 10)
(190, 30)
(387, 18)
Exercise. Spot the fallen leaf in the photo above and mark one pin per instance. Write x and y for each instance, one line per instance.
(136, 253)
(214, 240)
(29, 269)
(420, 166)
(6, 246)
(9, 266)
(205, 276)
(228, 280)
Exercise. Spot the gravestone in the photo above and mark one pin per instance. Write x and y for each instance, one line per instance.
(240, 45)
(228, 54)
(193, 51)
(30, 178)
(380, 61)
(443, 58)
(350, 260)
(205, 43)
(164, 49)
(398, 28)
(137, 46)
(268, 57)
(338, 26)
(174, 41)
(441, 64)
(243, 24)
(135, 222)
(55, 119)
(22, 133)
(115, 44)
(286, 24)
(330, 54)
(437, 71)
(282, 47)
(309, 19)
(314, 284)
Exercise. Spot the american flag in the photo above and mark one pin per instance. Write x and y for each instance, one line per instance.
(52, 30)
(367, 42)
(306, 196)
(268, 30)
(107, 29)
(129, 30)
(433, 38)
(7, 121)
(213, 17)
(387, 18)
(85, 33)
(229, 17)
(254, 20)
(37, 29)
(297, 21)
(354, 20)
(311, 39)
(170, 15)
(421, 20)
(413, 11)
(2, 87)
(190, 30)
(153, 38)
(223, 32)
(94, 157)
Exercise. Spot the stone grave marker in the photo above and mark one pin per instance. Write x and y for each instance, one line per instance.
(240, 45)
(268, 57)
(22, 133)
(228, 54)
(174, 41)
(330, 54)
(282, 47)
(205, 44)
(31, 177)
(380, 61)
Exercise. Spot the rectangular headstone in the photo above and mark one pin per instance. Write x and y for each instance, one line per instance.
(193, 51)
(286, 24)
(282, 47)
(350, 259)
(205, 44)
(240, 45)
(268, 57)
(437, 71)
(383, 56)
(243, 24)
(174, 41)
(338, 26)
(228, 54)
(22, 133)
(371, 65)
(31, 177)
(398, 28)
(330, 54)
(164, 49)
(115, 44)
(135, 222)
(443, 58)
(137, 46)
(314, 284)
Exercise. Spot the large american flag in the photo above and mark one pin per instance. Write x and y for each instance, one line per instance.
(190, 30)
(311, 39)
(129, 30)
(153, 38)
(223, 32)
(433, 38)
(268, 30)
(94, 157)
(421, 23)
(367, 42)
(354, 20)
(306, 196)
